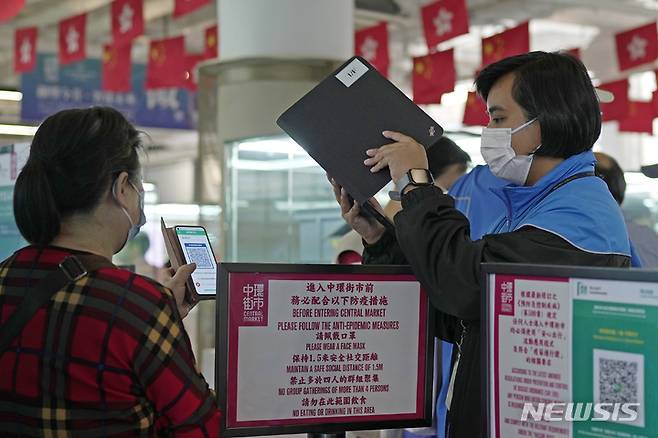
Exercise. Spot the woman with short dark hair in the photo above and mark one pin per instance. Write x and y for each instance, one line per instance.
(544, 120)
(104, 352)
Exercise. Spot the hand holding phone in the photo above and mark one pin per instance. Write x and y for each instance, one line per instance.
(195, 246)
(176, 281)
(366, 220)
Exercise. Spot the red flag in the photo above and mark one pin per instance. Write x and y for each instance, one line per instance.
(618, 108)
(372, 44)
(191, 80)
(654, 101)
(167, 64)
(183, 7)
(127, 20)
(433, 75)
(72, 39)
(116, 68)
(638, 119)
(443, 20)
(10, 8)
(25, 49)
(475, 111)
(505, 44)
(211, 43)
(637, 46)
(575, 52)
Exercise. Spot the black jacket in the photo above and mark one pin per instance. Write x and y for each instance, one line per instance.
(433, 237)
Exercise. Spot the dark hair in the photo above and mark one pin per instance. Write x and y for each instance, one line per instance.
(444, 153)
(74, 157)
(609, 171)
(556, 89)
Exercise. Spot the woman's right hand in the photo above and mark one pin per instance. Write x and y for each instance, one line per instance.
(370, 229)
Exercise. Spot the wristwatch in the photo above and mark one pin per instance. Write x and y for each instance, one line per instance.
(413, 177)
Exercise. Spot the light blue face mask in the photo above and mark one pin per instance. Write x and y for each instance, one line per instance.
(134, 227)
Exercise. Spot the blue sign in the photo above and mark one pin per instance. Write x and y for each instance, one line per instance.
(51, 87)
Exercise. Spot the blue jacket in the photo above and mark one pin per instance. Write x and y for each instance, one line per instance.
(582, 212)
(473, 197)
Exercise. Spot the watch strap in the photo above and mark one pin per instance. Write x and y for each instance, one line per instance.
(406, 180)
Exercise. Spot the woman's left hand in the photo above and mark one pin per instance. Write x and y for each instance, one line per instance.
(175, 280)
(406, 153)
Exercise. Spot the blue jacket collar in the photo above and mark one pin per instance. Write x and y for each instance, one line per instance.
(518, 199)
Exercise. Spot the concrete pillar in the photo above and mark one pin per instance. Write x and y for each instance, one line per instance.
(271, 53)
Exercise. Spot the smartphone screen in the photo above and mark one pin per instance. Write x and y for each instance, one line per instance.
(196, 249)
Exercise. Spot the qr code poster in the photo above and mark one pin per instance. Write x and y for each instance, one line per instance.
(619, 378)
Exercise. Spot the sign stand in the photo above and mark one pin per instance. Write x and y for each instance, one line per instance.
(340, 340)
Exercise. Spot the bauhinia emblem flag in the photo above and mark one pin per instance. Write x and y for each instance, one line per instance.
(25, 49)
(127, 20)
(444, 20)
(72, 39)
(637, 46)
(372, 45)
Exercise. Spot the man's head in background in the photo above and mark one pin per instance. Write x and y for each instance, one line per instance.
(610, 171)
(447, 162)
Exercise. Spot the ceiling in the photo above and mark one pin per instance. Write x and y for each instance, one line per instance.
(557, 24)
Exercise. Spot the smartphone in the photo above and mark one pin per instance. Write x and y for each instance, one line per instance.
(196, 249)
(369, 211)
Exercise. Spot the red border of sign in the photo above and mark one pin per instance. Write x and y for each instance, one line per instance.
(231, 411)
(495, 309)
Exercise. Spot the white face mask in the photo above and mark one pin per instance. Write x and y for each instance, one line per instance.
(134, 227)
(496, 148)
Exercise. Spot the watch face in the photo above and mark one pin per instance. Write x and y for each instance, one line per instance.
(420, 176)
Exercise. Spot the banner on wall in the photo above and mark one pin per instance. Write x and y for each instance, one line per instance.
(571, 351)
(12, 159)
(305, 348)
(51, 87)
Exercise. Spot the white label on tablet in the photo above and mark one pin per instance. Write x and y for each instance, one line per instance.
(352, 72)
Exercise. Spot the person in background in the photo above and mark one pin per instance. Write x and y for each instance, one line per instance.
(348, 248)
(638, 217)
(107, 354)
(539, 139)
(447, 163)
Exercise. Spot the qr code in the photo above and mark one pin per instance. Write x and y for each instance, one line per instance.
(200, 256)
(619, 378)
